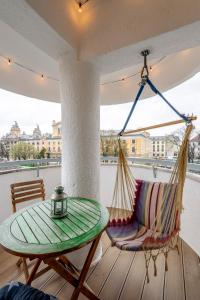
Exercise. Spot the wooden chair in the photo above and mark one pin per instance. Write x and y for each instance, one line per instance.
(25, 191)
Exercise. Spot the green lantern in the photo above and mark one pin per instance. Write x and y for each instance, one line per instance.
(59, 203)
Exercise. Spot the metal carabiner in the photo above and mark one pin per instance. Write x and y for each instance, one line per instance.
(145, 69)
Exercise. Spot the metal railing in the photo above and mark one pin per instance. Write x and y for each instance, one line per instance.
(37, 164)
(163, 163)
(44, 162)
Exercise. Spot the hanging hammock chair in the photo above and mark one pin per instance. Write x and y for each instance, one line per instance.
(145, 216)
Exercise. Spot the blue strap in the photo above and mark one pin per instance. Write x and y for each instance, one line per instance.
(155, 90)
(133, 107)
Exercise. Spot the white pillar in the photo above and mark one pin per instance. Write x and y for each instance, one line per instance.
(80, 132)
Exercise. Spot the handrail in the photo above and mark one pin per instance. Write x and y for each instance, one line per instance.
(29, 161)
(4, 166)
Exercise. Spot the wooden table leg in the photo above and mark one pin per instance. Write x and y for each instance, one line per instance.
(77, 283)
(85, 269)
(33, 272)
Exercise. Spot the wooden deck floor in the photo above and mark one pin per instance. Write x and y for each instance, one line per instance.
(121, 275)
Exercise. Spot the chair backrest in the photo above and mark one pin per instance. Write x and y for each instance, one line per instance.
(149, 200)
(28, 190)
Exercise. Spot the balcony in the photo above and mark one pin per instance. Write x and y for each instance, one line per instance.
(120, 274)
(52, 52)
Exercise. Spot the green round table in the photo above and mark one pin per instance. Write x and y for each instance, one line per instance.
(32, 233)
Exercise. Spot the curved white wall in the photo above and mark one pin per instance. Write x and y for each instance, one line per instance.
(190, 217)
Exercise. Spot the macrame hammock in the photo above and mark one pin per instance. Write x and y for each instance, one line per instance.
(145, 216)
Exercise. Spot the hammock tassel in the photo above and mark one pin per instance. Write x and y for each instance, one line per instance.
(147, 255)
(154, 257)
(166, 260)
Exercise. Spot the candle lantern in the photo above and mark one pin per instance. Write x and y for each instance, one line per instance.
(59, 203)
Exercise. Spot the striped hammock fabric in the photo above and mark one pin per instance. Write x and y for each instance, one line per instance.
(149, 219)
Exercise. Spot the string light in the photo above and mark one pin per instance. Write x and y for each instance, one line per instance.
(10, 61)
(134, 74)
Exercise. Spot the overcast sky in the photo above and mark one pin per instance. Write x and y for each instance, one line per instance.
(28, 112)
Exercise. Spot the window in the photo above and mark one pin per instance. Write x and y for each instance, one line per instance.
(133, 149)
(133, 141)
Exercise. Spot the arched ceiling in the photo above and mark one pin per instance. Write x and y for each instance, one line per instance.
(109, 33)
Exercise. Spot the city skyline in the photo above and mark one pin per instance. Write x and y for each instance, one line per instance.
(30, 112)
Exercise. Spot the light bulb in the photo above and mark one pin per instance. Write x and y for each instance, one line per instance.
(80, 8)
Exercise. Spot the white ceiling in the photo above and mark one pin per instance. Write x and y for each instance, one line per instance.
(109, 33)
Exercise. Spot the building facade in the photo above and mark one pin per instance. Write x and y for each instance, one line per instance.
(195, 146)
(56, 129)
(136, 145)
(164, 147)
(139, 145)
(50, 145)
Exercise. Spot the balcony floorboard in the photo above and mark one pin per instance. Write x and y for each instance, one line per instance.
(121, 275)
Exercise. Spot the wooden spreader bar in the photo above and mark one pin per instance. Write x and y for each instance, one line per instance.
(191, 118)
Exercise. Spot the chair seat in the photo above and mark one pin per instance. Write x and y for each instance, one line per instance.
(131, 237)
(148, 202)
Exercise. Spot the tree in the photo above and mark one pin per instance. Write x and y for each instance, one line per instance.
(176, 137)
(42, 153)
(4, 153)
(23, 151)
(109, 144)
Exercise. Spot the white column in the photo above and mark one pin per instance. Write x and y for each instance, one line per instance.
(80, 133)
